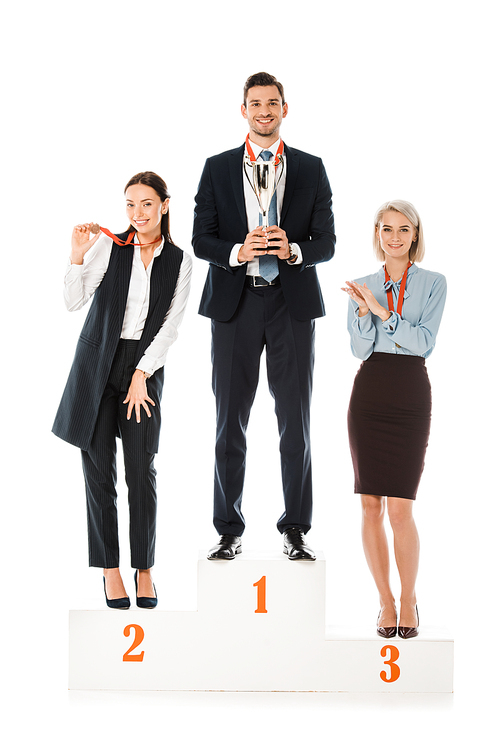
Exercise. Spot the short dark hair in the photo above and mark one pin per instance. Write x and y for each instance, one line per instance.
(262, 79)
(151, 179)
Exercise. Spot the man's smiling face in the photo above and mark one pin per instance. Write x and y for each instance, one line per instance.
(264, 111)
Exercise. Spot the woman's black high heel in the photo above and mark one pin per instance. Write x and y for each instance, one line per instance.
(144, 602)
(116, 603)
(407, 632)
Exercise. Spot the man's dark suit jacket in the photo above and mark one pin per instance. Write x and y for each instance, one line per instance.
(221, 221)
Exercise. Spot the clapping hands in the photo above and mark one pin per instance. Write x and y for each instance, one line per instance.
(365, 299)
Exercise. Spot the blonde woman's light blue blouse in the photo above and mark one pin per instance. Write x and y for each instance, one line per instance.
(414, 332)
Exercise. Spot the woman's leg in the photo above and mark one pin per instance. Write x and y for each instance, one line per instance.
(406, 549)
(99, 467)
(140, 475)
(377, 555)
(145, 588)
(114, 583)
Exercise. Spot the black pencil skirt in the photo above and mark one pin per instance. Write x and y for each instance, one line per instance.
(389, 422)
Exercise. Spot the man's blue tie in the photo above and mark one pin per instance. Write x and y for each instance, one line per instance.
(268, 264)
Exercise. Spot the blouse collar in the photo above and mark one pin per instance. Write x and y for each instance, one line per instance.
(137, 247)
(394, 285)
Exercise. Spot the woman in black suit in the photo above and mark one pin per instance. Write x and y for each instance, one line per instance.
(139, 282)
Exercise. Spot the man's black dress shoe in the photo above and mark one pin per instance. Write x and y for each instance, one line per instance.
(227, 548)
(295, 547)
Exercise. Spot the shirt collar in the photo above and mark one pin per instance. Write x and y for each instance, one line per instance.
(156, 252)
(258, 149)
(394, 284)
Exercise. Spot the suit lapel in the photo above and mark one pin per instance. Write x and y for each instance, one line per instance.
(156, 278)
(292, 170)
(159, 275)
(235, 165)
(164, 275)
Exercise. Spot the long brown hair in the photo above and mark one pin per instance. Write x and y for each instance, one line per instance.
(159, 186)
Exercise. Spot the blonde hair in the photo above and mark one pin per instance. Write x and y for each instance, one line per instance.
(417, 249)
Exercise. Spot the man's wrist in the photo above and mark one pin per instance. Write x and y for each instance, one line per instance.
(234, 260)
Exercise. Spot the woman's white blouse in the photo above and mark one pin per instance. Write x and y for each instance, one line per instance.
(414, 332)
(81, 281)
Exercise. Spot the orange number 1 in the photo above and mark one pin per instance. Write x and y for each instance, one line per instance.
(393, 656)
(261, 595)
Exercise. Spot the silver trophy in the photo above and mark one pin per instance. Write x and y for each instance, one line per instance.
(264, 182)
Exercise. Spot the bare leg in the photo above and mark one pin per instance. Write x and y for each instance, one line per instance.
(377, 555)
(145, 584)
(406, 549)
(114, 583)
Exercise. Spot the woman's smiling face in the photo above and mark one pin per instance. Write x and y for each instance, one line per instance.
(144, 208)
(396, 234)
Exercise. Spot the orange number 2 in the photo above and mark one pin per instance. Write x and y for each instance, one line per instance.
(393, 656)
(138, 638)
(261, 595)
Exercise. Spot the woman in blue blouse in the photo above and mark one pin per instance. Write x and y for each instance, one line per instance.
(394, 317)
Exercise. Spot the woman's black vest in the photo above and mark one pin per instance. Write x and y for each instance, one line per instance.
(96, 348)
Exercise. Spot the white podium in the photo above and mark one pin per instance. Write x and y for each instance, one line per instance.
(260, 626)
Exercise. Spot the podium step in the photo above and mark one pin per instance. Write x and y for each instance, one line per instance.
(260, 626)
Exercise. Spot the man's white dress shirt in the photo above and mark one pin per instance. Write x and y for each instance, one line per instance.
(253, 209)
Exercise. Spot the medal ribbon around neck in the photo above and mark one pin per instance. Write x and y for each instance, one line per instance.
(128, 241)
(252, 155)
(401, 294)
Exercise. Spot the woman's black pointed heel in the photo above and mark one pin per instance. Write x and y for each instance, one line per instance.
(116, 603)
(144, 602)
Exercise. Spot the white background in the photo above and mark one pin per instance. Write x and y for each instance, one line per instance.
(399, 99)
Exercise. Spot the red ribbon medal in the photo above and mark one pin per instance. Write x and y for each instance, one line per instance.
(119, 241)
(252, 155)
(401, 294)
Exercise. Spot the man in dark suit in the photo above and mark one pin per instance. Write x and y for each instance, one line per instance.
(262, 291)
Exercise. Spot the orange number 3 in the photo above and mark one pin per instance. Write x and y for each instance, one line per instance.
(394, 668)
(138, 638)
